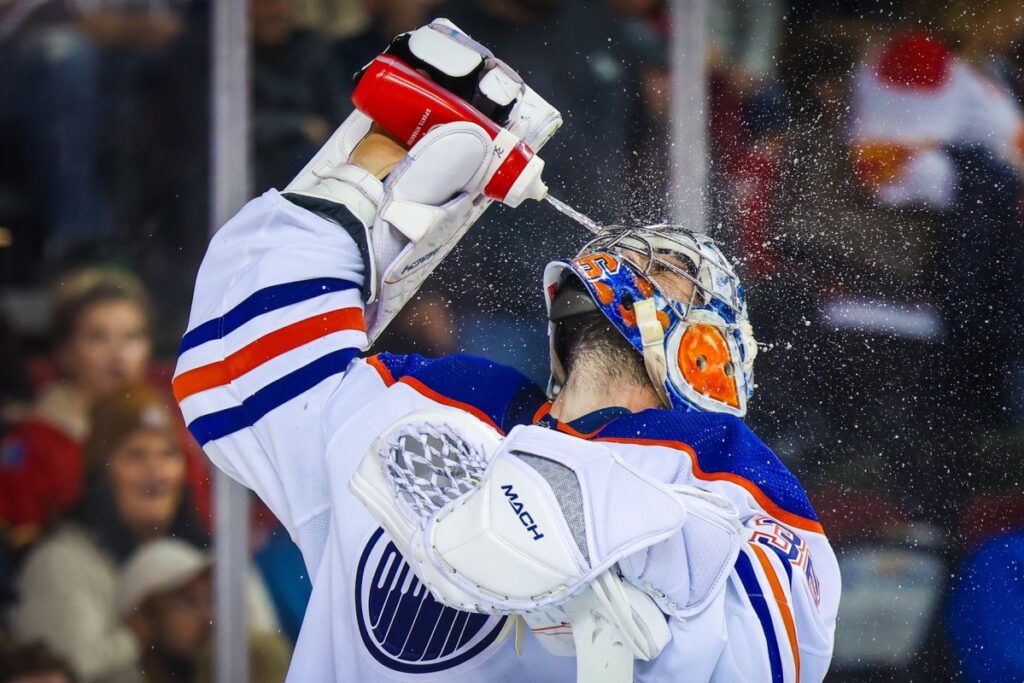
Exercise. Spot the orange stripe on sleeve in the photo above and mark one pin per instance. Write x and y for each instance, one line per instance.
(264, 349)
(763, 500)
(780, 599)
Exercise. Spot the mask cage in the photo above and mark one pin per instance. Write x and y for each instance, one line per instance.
(714, 283)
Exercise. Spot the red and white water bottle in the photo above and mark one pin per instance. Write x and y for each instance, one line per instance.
(407, 105)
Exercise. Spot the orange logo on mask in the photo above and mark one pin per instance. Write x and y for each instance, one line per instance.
(596, 265)
(707, 364)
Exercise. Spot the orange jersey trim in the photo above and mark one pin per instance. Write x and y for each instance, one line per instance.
(441, 398)
(780, 599)
(426, 391)
(566, 429)
(264, 349)
(750, 487)
(381, 369)
(545, 410)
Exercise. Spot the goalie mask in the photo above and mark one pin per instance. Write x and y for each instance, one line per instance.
(673, 295)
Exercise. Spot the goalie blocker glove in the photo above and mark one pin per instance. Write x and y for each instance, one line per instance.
(528, 523)
(406, 225)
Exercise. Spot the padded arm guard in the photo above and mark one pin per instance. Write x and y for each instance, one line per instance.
(481, 522)
(514, 525)
(552, 514)
(534, 525)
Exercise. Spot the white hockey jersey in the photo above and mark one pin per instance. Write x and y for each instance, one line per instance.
(270, 382)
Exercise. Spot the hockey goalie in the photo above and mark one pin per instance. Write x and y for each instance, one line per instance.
(458, 522)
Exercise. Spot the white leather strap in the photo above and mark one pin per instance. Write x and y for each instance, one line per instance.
(443, 52)
(653, 336)
(353, 186)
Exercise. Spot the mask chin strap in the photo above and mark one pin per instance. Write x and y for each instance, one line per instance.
(653, 336)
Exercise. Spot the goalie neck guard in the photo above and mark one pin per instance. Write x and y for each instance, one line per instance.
(697, 346)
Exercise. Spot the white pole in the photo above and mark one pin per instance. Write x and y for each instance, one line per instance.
(229, 189)
(688, 112)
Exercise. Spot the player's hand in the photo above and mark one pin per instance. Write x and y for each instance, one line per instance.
(378, 152)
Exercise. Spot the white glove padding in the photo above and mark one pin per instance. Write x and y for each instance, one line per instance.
(469, 70)
(418, 465)
(553, 512)
(429, 203)
(429, 194)
(685, 573)
(486, 532)
(519, 527)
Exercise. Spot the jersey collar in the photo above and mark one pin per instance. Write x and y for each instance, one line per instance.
(586, 426)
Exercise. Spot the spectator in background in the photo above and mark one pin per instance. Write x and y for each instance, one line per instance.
(817, 186)
(166, 599)
(297, 95)
(135, 492)
(49, 117)
(136, 38)
(73, 72)
(933, 132)
(911, 103)
(896, 218)
(823, 241)
(101, 337)
(32, 663)
(743, 40)
(648, 30)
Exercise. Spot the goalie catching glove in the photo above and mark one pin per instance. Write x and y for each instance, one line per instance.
(414, 218)
(534, 524)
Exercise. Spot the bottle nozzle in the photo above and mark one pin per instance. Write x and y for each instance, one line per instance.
(528, 185)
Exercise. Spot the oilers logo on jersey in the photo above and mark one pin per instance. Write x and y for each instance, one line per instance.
(403, 626)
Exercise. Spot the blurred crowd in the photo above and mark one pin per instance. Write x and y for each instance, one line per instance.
(865, 170)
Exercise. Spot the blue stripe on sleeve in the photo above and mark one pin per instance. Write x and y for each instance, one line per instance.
(228, 421)
(262, 301)
(786, 564)
(784, 559)
(748, 578)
